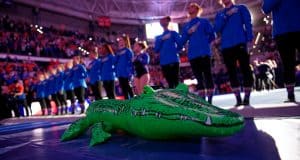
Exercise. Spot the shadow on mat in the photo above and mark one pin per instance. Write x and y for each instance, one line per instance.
(248, 144)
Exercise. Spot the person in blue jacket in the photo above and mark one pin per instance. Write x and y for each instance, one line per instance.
(124, 65)
(286, 31)
(108, 76)
(40, 89)
(78, 79)
(48, 93)
(168, 46)
(94, 74)
(234, 25)
(68, 84)
(21, 97)
(53, 87)
(141, 61)
(60, 91)
(199, 33)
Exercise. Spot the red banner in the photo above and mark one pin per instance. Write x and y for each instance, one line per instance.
(104, 21)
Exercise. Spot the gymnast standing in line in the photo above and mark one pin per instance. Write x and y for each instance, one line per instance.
(286, 31)
(40, 89)
(108, 74)
(233, 23)
(78, 80)
(94, 74)
(141, 61)
(68, 85)
(53, 87)
(168, 46)
(124, 65)
(60, 91)
(200, 34)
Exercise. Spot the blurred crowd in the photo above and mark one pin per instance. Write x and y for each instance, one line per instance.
(18, 37)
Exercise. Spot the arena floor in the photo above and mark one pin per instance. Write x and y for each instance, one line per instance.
(272, 131)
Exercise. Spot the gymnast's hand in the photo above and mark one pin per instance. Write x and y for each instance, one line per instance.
(167, 36)
(193, 28)
(232, 11)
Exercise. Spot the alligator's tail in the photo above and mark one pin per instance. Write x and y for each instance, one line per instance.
(76, 129)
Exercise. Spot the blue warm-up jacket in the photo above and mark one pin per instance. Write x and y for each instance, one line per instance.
(168, 49)
(286, 15)
(199, 41)
(236, 28)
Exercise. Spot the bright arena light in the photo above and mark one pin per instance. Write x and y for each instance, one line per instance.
(154, 29)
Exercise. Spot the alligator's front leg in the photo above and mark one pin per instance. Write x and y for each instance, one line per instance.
(100, 133)
(76, 129)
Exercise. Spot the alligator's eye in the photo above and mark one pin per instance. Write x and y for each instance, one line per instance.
(208, 120)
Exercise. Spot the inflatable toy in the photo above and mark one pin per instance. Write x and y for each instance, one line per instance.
(159, 115)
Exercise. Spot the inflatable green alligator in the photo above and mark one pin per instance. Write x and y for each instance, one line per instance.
(160, 115)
